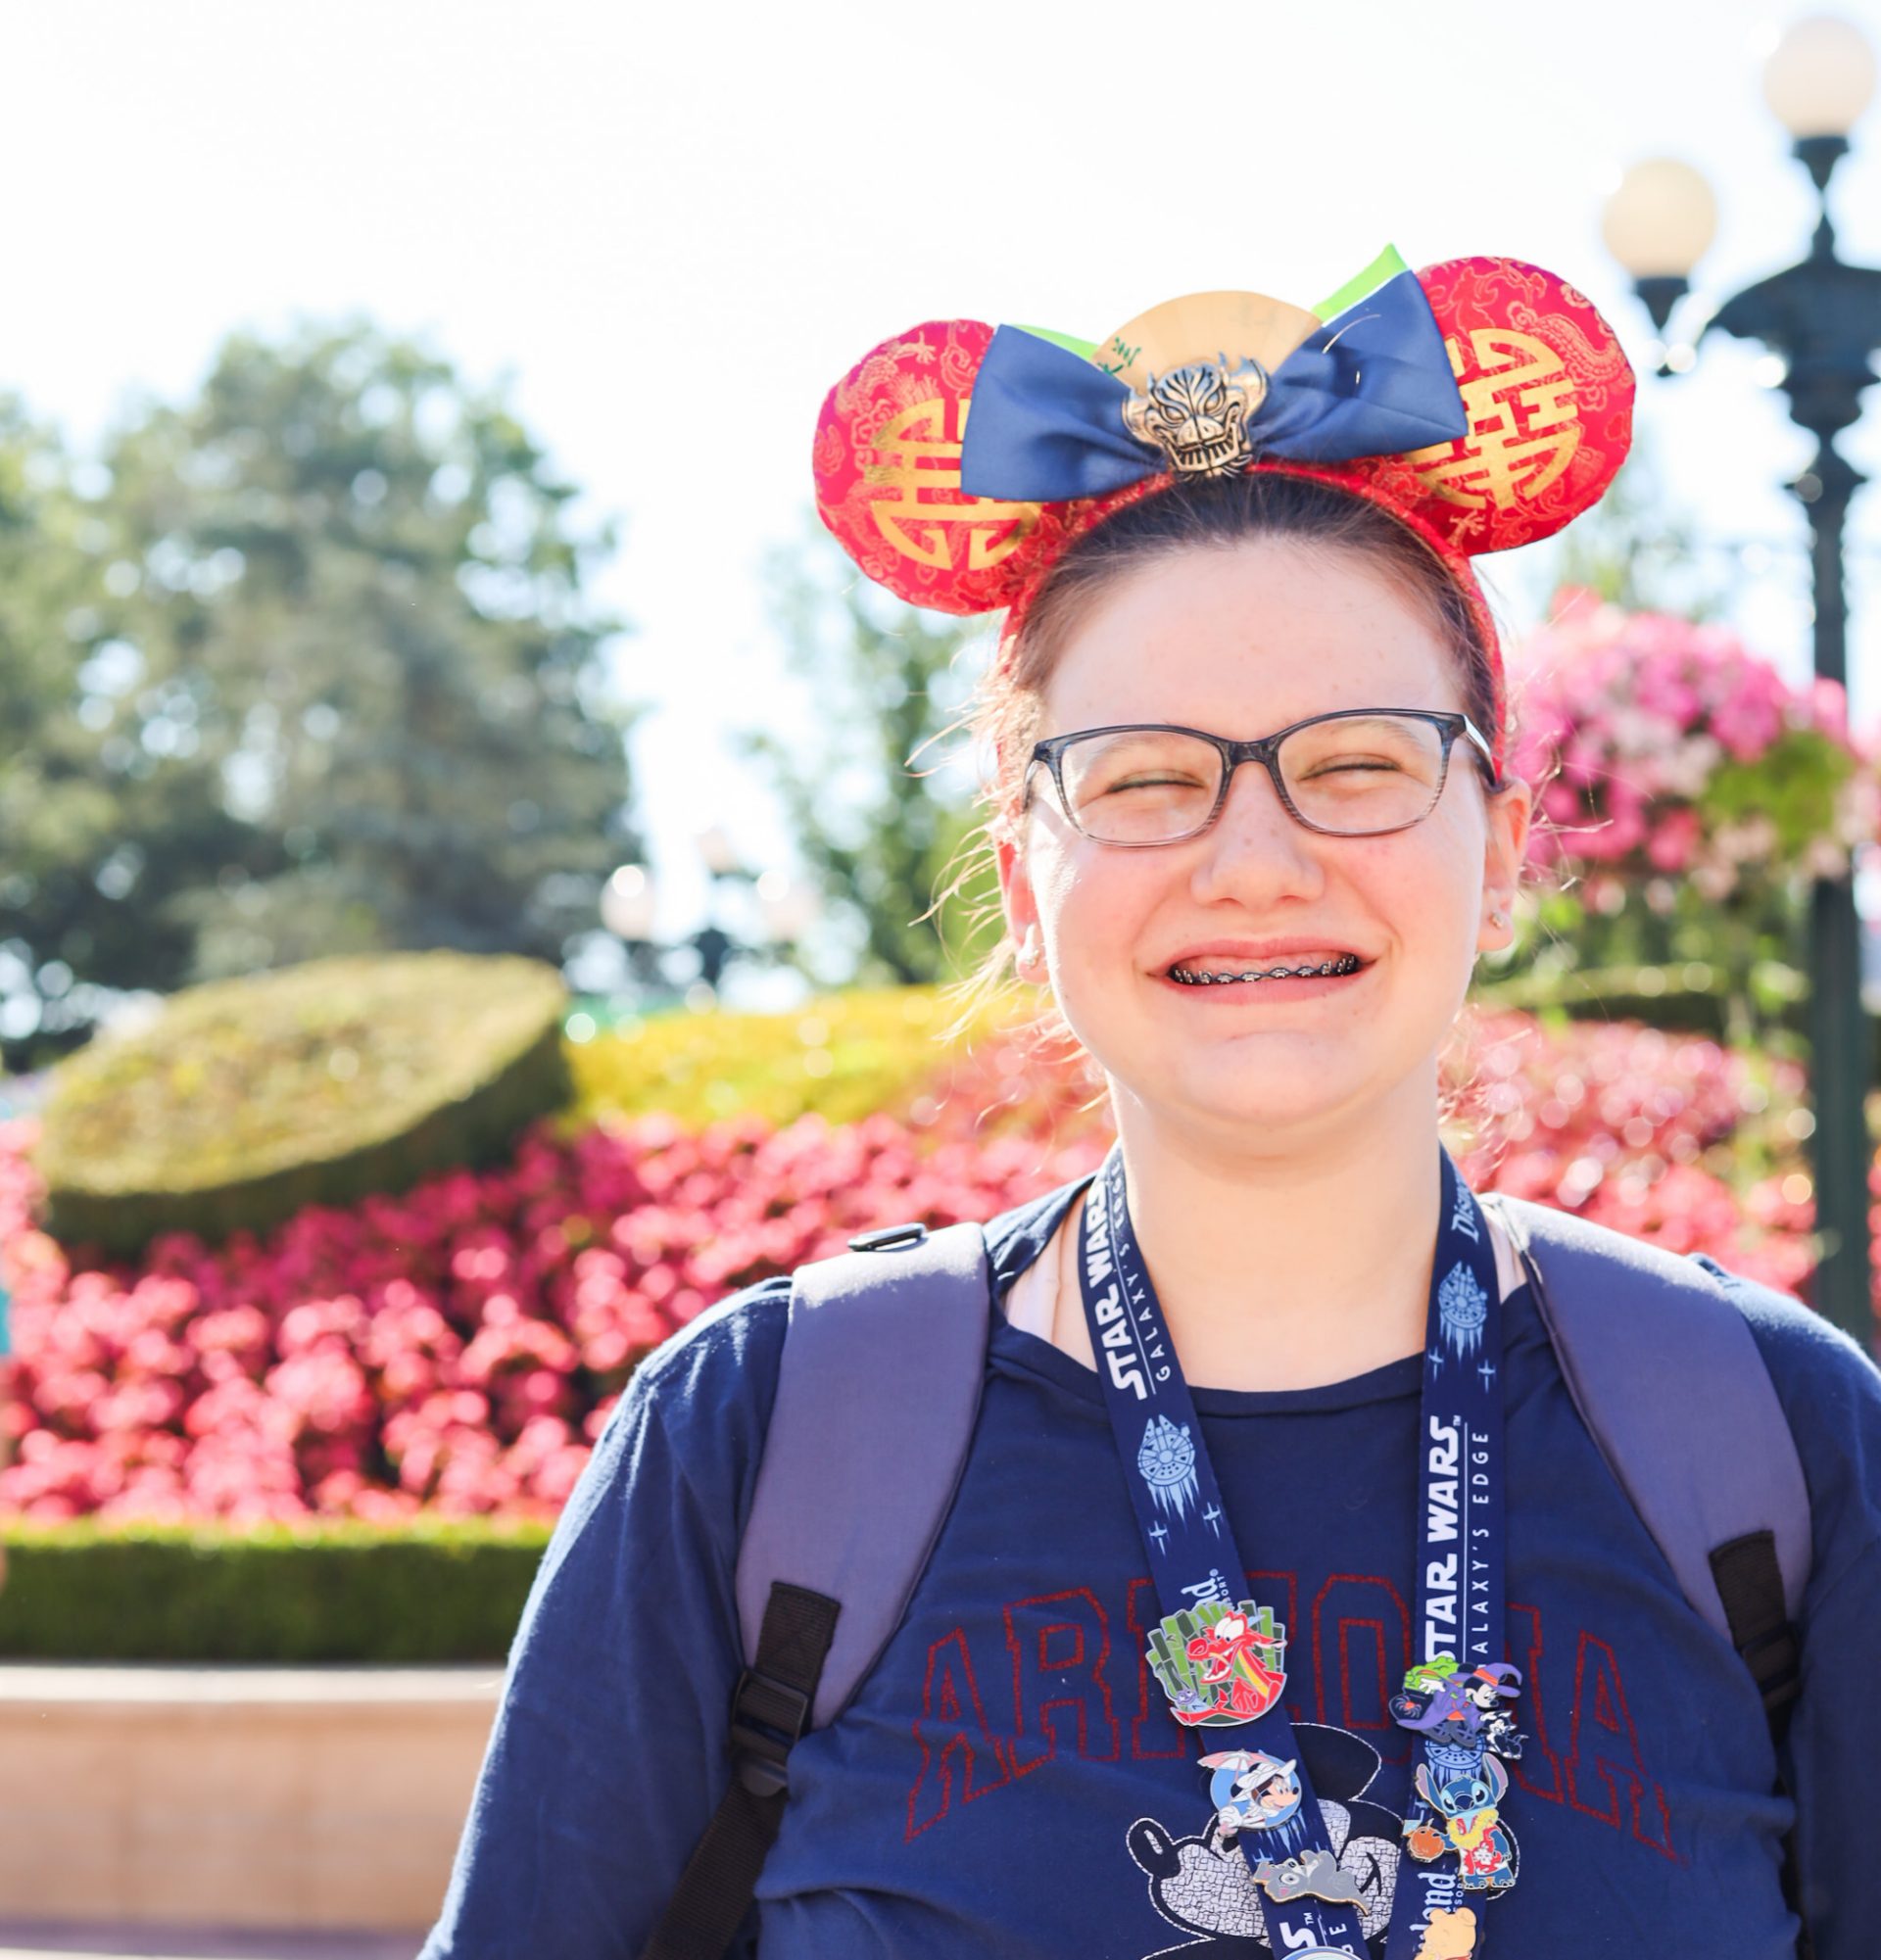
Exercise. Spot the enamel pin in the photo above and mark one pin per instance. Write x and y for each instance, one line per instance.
(1452, 1710)
(1466, 1808)
(1309, 1874)
(1220, 1664)
(1251, 1790)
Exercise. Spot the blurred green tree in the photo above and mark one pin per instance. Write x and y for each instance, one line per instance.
(348, 586)
(83, 825)
(878, 804)
(1638, 550)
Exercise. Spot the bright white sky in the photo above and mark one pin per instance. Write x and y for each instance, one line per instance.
(677, 225)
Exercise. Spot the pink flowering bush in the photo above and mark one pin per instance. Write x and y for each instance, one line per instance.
(1665, 749)
(1653, 1134)
(453, 1350)
(456, 1350)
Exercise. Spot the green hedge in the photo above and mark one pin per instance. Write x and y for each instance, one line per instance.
(321, 1084)
(444, 1591)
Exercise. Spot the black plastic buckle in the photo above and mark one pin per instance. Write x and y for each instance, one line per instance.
(768, 1717)
(890, 1238)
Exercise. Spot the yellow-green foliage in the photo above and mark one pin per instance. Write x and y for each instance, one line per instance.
(843, 1055)
(248, 1099)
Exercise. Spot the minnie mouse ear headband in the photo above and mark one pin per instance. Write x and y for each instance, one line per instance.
(1482, 401)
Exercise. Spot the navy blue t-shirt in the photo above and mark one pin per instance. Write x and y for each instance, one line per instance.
(1008, 1781)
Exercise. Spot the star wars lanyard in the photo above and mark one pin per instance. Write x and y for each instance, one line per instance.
(1220, 1656)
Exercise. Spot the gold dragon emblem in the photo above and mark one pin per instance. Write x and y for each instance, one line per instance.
(1198, 414)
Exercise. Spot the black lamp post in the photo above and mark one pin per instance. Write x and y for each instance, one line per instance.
(1821, 320)
(786, 909)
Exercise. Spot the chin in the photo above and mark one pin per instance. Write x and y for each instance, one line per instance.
(1256, 1102)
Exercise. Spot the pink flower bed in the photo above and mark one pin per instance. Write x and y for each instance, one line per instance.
(456, 1349)
(1666, 748)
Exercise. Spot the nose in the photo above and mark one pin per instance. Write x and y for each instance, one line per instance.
(1255, 850)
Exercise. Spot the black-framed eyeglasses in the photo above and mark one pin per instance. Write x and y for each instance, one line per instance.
(1354, 773)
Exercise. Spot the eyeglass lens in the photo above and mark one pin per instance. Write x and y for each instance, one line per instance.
(1350, 775)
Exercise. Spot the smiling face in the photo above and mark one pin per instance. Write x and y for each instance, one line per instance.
(1241, 641)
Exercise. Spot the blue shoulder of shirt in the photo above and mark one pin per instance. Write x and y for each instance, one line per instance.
(1831, 1393)
(712, 1384)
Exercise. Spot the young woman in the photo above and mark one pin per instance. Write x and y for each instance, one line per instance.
(1273, 1443)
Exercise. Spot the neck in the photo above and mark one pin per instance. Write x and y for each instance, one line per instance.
(1295, 1268)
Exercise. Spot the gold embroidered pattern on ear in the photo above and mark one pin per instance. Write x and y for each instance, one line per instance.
(1549, 392)
(918, 457)
(1524, 422)
(886, 459)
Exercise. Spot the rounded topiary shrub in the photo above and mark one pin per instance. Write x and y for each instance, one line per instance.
(246, 1100)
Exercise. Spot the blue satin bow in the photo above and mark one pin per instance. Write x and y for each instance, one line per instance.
(1375, 380)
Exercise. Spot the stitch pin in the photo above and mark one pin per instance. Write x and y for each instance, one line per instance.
(1220, 1664)
(1465, 1806)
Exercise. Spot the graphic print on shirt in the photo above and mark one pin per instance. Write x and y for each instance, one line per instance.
(1051, 1675)
(1201, 1883)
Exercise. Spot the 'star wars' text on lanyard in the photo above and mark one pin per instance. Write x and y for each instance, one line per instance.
(1220, 1656)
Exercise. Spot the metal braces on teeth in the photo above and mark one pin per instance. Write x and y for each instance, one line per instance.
(1344, 964)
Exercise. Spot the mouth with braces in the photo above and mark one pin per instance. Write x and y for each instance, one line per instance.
(1346, 963)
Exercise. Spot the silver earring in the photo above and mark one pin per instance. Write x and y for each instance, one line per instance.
(1028, 949)
(1498, 918)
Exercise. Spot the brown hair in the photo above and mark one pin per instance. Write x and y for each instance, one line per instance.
(1007, 708)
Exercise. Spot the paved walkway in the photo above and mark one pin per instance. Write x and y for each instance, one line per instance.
(21, 1940)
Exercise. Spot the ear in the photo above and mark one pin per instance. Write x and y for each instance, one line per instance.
(886, 459)
(1549, 392)
(1423, 1782)
(1508, 811)
(1497, 1778)
(1015, 881)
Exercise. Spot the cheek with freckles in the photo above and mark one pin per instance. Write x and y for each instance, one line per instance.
(1414, 899)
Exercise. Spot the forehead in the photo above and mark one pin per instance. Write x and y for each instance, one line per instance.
(1244, 640)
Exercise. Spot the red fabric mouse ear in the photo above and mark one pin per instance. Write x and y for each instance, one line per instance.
(1549, 392)
(888, 477)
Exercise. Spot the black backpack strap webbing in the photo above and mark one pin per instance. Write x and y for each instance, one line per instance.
(770, 1709)
(1750, 1582)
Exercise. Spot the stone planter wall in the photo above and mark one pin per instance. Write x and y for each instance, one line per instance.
(317, 1798)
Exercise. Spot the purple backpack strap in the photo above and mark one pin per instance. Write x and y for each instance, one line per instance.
(884, 1356)
(1666, 1373)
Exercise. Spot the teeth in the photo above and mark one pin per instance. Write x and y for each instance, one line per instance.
(1346, 963)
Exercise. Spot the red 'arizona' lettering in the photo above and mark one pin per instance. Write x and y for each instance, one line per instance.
(1602, 1719)
(1060, 1697)
(1068, 1679)
(946, 1734)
